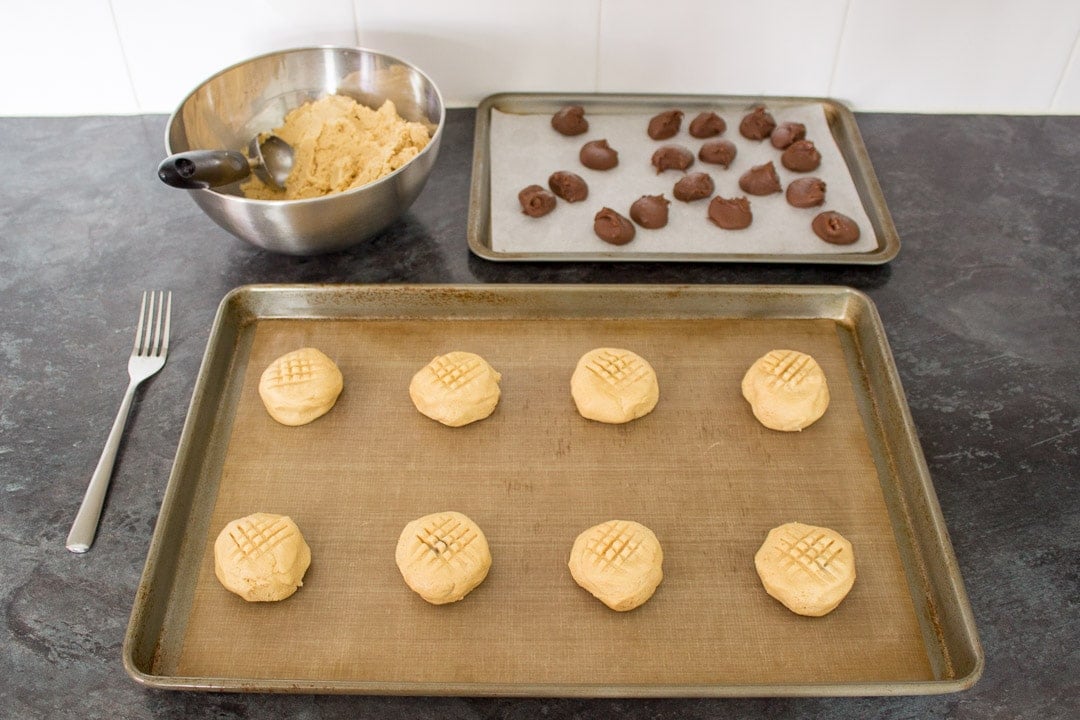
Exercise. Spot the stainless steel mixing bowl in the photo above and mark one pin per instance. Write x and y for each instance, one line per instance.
(253, 96)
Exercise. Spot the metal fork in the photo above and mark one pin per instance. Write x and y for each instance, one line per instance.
(148, 357)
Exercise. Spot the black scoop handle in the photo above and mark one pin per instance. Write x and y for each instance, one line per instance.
(197, 169)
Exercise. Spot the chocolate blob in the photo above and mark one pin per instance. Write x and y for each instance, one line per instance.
(707, 125)
(695, 186)
(760, 180)
(570, 120)
(611, 227)
(665, 125)
(801, 156)
(672, 157)
(757, 125)
(598, 155)
(536, 201)
(787, 133)
(730, 213)
(650, 211)
(717, 152)
(806, 192)
(835, 228)
(569, 186)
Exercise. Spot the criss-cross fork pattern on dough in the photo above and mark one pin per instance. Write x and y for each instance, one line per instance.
(617, 369)
(614, 547)
(294, 369)
(455, 372)
(788, 368)
(815, 554)
(446, 540)
(252, 539)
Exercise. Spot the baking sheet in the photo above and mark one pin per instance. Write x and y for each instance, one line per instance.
(699, 471)
(516, 147)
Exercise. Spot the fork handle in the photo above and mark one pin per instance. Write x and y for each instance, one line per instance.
(84, 528)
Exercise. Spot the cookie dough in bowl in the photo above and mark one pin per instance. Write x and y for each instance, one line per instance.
(339, 144)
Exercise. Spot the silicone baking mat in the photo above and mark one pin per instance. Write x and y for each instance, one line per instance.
(700, 471)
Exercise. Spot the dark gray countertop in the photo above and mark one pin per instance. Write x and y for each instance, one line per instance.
(980, 308)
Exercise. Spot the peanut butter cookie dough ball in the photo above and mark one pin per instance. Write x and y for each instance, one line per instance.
(300, 386)
(261, 557)
(613, 385)
(443, 556)
(620, 562)
(809, 569)
(456, 389)
(786, 390)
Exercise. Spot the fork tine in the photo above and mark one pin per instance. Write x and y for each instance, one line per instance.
(148, 326)
(168, 322)
(139, 327)
(157, 326)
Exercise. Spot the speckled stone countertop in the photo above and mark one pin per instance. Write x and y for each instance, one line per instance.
(980, 308)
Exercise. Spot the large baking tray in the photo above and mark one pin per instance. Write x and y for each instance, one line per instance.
(840, 119)
(699, 470)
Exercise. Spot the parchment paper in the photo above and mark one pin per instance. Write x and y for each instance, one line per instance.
(525, 150)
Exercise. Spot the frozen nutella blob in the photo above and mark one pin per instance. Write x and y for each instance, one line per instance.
(598, 155)
(717, 152)
(835, 228)
(570, 120)
(569, 186)
(672, 157)
(806, 192)
(760, 180)
(650, 211)
(730, 213)
(695, 186)
(757, 125)
(787, 133)
(801, 156)
(665, 125)
(611, 227)
(707, 125)
(536, 201)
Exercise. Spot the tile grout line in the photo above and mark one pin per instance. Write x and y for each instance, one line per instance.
(1070, 61)
(836, 53)
(355, 26)
(127, 62)
(596, 45)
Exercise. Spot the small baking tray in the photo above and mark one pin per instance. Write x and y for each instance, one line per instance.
(699, 470)
(699, 241)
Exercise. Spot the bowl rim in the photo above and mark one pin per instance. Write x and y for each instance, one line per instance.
(225, 197)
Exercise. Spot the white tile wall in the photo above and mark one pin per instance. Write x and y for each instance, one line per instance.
(956, 56)
(62, 57)
(1067, 98)
(172, 47)
(472, 48)
(69, 57)
(779, 47)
